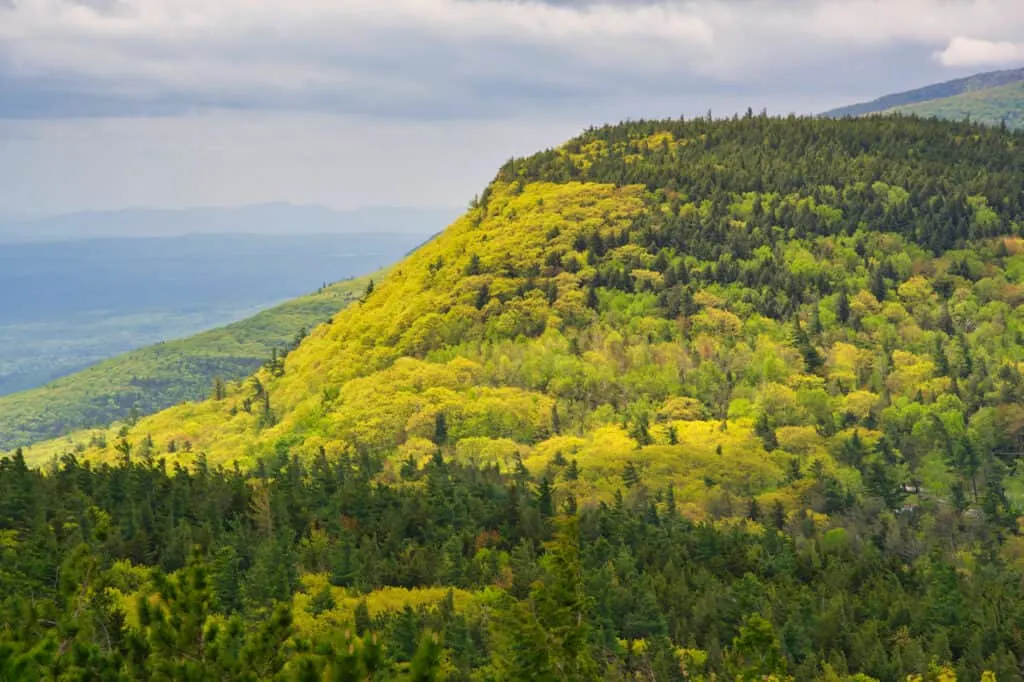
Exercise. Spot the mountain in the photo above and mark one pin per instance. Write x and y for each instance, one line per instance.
(985, 97)
(71, 304)
(263, 219)
(150, 379)
(992, 106)
(566, 253)
(676, 400)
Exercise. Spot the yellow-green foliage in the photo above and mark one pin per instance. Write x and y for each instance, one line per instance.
(379, 602)
(349, 385)
(511, 339)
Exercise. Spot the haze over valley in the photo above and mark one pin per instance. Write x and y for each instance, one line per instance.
(68, 304)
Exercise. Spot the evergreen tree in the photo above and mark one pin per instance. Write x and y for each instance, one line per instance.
(763, 429)
(440, 429)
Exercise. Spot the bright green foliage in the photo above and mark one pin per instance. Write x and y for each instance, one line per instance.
(178, 639)
(546, 637)
(755, 653)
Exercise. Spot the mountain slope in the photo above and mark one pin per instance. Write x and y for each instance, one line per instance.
(991, 106)
(706, 304)
(153, 378)
(971, 84)
(675, 401)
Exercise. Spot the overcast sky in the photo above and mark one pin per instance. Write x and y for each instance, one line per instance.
(113, 103)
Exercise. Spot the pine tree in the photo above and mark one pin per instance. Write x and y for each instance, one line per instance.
(843, 307)
(572, 472)
(440, 429)
(426, 664)
(363, 621)
(802, 342)
(641, 431)
(878, 285)
(562, 607)
(547, 637)
(219, 389)
(483, 296)
(630, 475)
(545, 501)
(763, 430)
(756, 653)
(778, 515)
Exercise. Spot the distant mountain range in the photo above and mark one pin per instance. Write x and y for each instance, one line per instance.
(266, 219)
(993, 98)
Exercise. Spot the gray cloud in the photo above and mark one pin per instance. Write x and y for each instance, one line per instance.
(112, 103)
(476, 58)
(233, 158)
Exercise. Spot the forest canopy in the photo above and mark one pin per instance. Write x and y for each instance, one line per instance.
(700, 399)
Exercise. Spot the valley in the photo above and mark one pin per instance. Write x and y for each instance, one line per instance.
(71, 304)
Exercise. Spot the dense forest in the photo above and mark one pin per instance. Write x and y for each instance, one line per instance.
(696, 399)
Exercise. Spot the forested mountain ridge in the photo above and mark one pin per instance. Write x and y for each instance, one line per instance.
(150, 379)
(677, 400)
(993, 106)
(937, 91)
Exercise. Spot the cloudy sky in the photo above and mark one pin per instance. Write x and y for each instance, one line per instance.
(112, 103)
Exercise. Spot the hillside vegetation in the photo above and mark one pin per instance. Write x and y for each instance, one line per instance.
(976, 84)
(993, 106)
(676, 400)
(150, 379)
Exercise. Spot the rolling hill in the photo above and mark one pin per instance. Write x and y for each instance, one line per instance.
(677, 400)
(990, 98)
(153, 378)
(991, 106)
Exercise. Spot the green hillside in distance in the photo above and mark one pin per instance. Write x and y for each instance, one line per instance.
(150, 379)
(677, 400)
(932, 93)
(992, 106)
